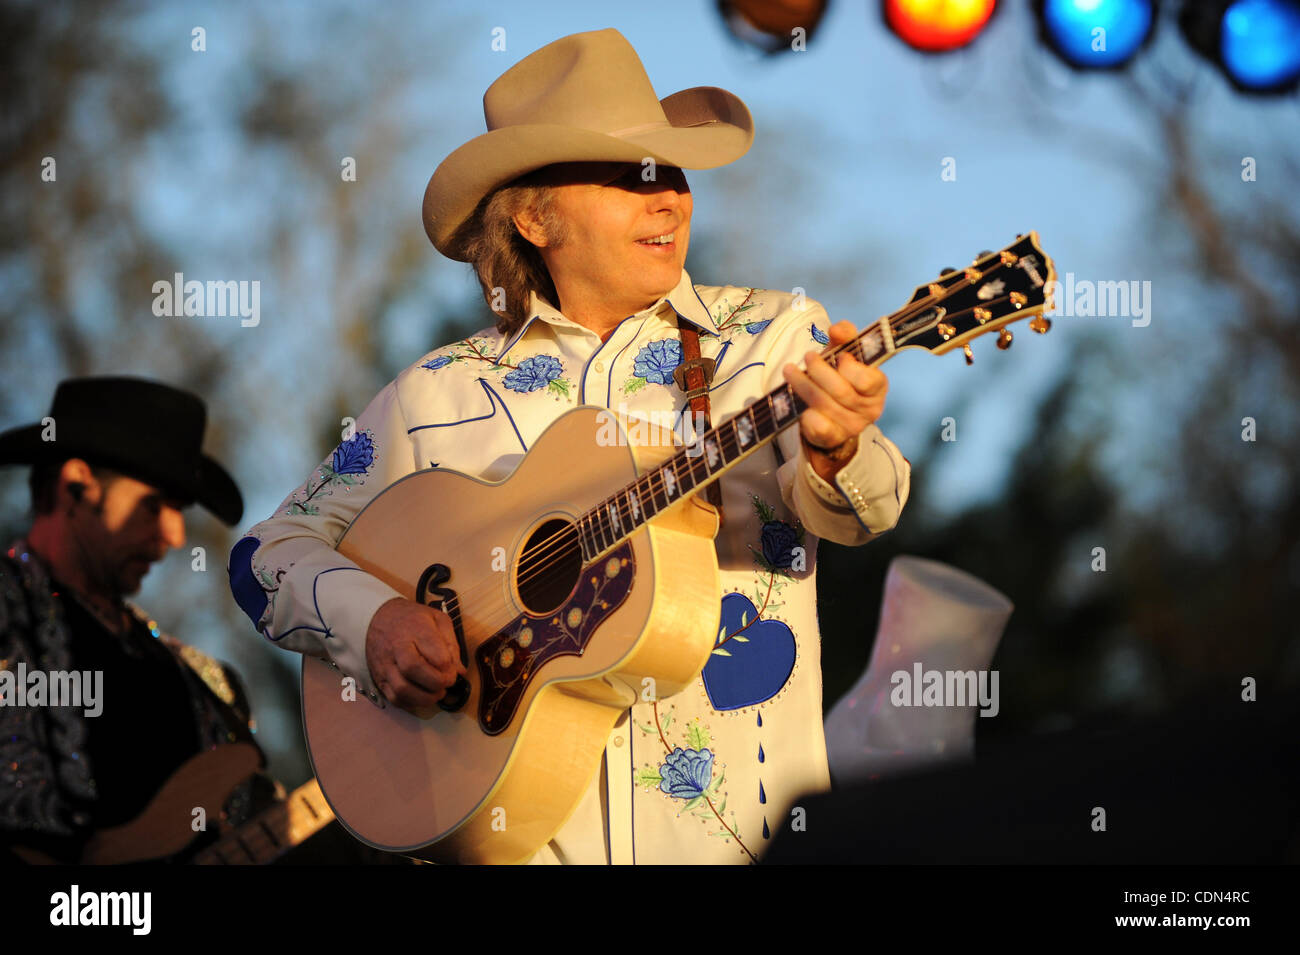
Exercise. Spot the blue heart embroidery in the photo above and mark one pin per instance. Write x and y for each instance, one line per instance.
(756, 670)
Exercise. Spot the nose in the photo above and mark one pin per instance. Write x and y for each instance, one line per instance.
(172, 525)
(660, 196)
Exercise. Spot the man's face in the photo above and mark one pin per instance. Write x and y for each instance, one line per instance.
(124, 528)
(610, 213)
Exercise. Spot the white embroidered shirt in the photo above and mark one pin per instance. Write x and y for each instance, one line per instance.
(708, 775)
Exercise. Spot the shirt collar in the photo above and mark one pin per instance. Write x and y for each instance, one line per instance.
(683, 300)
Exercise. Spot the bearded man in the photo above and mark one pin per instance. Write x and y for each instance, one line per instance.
(113, 466)
(576, 216)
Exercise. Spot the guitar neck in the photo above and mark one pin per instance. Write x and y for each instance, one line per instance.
(273, 832)
(998, 288)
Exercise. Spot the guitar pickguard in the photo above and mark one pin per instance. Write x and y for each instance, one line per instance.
(510, 658)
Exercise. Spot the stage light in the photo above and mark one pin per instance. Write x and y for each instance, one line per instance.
(936, 26)
(773, 26)
(1096, 34)
(1260, 43)
(1255, 42)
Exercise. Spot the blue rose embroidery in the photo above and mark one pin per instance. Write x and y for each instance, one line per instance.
(347, 466)
(656, 362)
(778, 540)
(355, 455)
(440, 361)
(755, 327)
(819, 336)
(534, 374)
(687, 773)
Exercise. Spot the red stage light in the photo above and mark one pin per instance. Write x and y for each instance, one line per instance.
(937, 25)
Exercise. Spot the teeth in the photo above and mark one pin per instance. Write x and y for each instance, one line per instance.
(657, 240)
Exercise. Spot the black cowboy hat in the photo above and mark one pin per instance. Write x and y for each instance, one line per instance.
(144, 429)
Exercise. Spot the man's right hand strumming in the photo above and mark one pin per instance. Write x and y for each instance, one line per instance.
(413, 655)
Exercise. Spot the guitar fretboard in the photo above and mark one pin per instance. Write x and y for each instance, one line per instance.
(274, 832)
(996, 288)
(711, 454)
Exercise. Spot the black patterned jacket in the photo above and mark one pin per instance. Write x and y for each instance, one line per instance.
(47, 782)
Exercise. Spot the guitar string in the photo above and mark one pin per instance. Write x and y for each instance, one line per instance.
(544, 559)
(614, 499)
(907, 312)
(901, 316)
(254, 840)
(543, 556)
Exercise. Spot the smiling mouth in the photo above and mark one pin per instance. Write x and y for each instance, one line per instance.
(665, 240)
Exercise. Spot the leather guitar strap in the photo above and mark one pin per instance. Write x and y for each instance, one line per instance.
(693, 376)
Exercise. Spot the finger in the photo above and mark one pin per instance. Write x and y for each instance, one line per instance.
(441, 647)
(869, 387)
(831, 381)
(869, 382)
(846, 421)
(820, 431)
(413, 698)
(448, 630)
(416, 668)
(842, 331)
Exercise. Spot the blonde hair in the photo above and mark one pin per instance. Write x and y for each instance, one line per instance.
(502, 258)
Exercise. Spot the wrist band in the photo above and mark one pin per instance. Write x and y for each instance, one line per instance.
(838, 455)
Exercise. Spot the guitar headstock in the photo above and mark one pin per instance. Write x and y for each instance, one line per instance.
(998, 288)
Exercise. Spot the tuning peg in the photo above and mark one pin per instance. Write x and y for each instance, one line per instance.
(970, 355)
(1004, 339)
(1040, 324)
(946, 271)
(983, 255)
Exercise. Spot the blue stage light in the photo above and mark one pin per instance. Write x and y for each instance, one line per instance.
(1097, 34)
(1260, 43)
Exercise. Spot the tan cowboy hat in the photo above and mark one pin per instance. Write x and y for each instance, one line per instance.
(583, 98)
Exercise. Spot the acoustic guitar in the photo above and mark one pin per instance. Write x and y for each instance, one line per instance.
(609, 580)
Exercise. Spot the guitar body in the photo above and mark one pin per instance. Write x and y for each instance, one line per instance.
(163, 829)
(205, 780)
(556, 649)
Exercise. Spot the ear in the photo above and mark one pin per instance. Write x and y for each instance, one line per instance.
(530, 228)
(77, 482)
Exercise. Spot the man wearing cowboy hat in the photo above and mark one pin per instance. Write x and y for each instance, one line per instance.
(574, 211)
(113, 464)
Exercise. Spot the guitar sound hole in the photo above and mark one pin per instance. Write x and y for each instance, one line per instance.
(549, 566)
